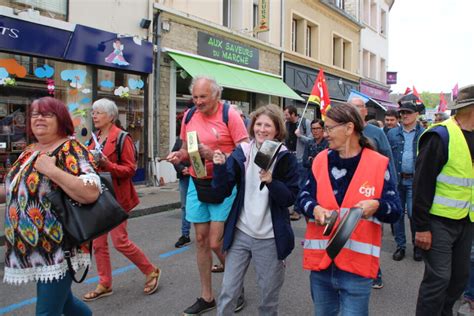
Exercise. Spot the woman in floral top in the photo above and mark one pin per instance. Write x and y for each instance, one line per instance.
(34, 236)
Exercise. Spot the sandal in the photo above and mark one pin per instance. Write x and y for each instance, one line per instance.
(99, 292)
(153, 280)
(217, 268)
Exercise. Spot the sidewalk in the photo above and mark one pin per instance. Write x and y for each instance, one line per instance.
(152, 200)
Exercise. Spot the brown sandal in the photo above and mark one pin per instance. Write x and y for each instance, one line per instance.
(99, 292)
(153, 280)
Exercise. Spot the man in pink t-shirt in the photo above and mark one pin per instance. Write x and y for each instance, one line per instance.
(208, 218)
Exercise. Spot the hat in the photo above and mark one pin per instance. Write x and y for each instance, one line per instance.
(411, 102)
(465, 98)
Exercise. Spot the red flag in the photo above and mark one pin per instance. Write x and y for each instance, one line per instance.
(455, 92)
(443, 105)
(415, 93)
(320, 95)
(407, 91)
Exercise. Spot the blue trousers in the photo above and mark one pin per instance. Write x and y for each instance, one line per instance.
(183, 192)
(406, 198)
(55, 299)
(335, 291)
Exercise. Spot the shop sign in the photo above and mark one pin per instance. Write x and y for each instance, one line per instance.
(97, 47)
(391, 77)
(263, 11)
(374, 92)
(25, 37)
(226, 50)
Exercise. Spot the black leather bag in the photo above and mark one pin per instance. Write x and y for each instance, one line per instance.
(85, 222)
(205, 192)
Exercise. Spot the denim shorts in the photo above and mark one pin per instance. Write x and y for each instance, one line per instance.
(200, 212)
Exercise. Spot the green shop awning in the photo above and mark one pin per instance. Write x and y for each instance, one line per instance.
(235, 77)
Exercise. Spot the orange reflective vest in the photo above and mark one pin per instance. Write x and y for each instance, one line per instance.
(361, 253)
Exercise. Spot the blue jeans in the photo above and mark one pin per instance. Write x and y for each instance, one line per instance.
(334, 291)
(405, 189)
(55, 298)
(183, 191)
(469, 294)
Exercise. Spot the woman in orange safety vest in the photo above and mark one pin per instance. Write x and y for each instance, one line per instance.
(348, 174)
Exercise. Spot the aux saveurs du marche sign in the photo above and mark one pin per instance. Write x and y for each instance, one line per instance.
(228, 51)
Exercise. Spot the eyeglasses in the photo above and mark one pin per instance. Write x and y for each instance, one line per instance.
(44, 115)
(328, 129)
(316, 128)
(94, 113)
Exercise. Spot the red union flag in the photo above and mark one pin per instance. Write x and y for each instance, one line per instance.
(320, 95)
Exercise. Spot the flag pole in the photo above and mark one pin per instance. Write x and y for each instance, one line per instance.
(302, 115)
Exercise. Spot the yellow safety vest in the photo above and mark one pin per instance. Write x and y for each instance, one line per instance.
(454, 193)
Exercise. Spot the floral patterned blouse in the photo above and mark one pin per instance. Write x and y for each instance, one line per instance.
(34, 236)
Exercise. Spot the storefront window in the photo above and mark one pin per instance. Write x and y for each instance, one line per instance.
(24, 79)
(127, 91)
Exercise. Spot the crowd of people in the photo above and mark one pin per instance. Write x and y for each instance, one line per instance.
(241, 212)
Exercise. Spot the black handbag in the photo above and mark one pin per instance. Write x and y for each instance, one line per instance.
(83, 223)
(205, 192)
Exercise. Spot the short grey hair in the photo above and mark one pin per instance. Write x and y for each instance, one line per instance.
(216, 89)
(442, 115)
(107, 106)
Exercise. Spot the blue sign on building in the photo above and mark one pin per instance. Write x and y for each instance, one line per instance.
(97, 47)
(36, 39)
(84, 45)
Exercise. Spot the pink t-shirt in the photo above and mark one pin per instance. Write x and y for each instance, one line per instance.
(213, 132)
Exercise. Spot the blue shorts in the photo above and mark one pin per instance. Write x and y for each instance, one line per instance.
(200, 212)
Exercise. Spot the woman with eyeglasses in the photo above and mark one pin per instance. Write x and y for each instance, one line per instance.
(34, 236)
(104, 115)
(349, 174)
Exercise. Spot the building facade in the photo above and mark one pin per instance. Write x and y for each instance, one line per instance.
(374, 16)
(76, 61)
(320, 35)
(220, 41)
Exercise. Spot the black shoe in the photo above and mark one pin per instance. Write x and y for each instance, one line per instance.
(201, 306)
(399, 254)
(182, 241)
(417, 254)
(377, 284)
(240, 303)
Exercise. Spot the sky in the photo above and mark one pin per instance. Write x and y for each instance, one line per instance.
(431, 44)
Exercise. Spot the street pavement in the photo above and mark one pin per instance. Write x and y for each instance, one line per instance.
(156, 234)
(179, 285)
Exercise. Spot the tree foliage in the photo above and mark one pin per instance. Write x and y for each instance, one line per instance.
(430, 99)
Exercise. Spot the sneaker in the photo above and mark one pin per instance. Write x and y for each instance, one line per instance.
(182, 241)
(377, 284)
(201, 306)
(240, 303)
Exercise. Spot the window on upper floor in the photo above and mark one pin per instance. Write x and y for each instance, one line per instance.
(373, 66)
(308, 41)
(383, 72)
(298, 34)
(341, 52)
(226, 13)
(373, 14)
(383, 22)
(255, 13)
(340, 4)
(56, 9)
(294, 34)
(365, 63)
(312, 41)
(366, 11)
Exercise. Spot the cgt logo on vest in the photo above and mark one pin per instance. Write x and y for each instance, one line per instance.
(367, 190)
